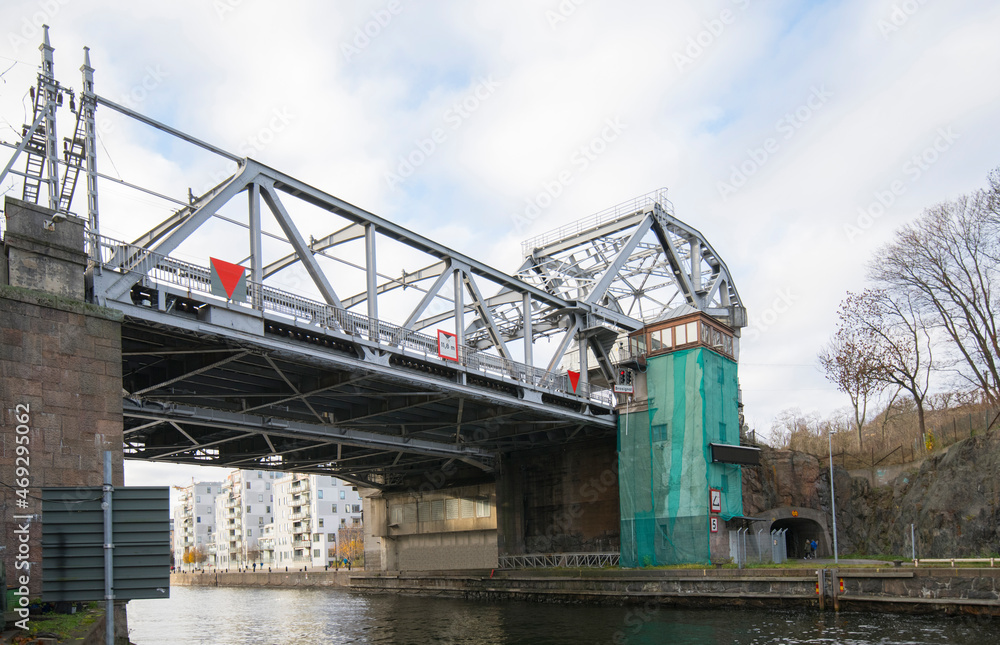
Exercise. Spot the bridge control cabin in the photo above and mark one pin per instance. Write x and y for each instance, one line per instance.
(678, 442)
(684, 332)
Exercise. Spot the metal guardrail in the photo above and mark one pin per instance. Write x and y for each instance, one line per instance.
(598, 219)
(570, 560)
(952, 561)
(122, 257)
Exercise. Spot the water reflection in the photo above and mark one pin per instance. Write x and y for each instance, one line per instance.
(232, 616)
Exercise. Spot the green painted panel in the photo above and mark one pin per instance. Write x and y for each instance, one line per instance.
(73, 543)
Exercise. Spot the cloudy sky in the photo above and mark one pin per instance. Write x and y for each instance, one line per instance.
(795, 135)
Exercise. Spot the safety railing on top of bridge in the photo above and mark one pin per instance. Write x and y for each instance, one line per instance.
(569, 560)
(126, 258)
(598, 219)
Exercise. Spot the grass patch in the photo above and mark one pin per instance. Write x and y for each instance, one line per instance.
(63, 626)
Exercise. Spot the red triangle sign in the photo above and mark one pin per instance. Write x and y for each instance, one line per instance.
(574, 378)
(229, 274)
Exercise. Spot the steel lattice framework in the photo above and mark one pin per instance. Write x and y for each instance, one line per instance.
(320, 382)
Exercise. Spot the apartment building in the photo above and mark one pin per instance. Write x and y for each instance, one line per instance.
(309, 512)
(242, 510)
(194, 524)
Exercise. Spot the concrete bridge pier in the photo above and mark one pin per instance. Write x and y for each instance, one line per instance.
(60, 379)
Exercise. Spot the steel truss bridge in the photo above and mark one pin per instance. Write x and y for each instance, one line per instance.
(316, 380)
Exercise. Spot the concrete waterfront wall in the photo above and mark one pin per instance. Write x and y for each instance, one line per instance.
(275, 578)
(952, 591)
(893, 589)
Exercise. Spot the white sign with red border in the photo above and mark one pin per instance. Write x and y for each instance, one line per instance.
(713, 524)
(715, 500)
(447, 345)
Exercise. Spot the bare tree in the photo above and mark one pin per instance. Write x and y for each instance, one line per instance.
(900, 341)
(851, 363)
(948, 264)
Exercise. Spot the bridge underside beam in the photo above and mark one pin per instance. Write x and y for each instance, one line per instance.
(198, 398)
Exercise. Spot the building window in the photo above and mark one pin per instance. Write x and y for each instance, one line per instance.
(331, 537)
(209, 490)
(267, 509)
(249, 532)
(343, 495)
(660, 432)
(260, 498)
(468, 508)
(319, 494)
(356, 521)
(482, 507)
(321, 522)
(267, 485)
(248, 510)
(357, 508)
(343, 521)
(260, 474)
(197, 499)
(199, 519)
(333, 508)
(315, 553)
(248, 485)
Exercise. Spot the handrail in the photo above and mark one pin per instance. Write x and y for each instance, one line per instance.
(127, 258)
(569, 560)
(598, 219)
(952, 561)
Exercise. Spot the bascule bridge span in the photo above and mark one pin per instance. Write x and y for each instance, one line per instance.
(361, 349)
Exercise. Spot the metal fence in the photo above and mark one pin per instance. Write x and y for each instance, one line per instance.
(570, 560)
(122, 257)
(757, 547)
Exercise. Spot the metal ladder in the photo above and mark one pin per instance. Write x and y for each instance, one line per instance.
(35, 150)
(74, 153)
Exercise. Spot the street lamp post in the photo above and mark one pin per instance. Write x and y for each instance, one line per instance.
(833, 503)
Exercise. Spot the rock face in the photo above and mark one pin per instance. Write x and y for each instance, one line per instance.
(953, 500)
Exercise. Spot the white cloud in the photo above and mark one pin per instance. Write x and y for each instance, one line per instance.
(224, 74)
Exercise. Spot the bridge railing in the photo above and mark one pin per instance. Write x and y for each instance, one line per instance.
(568, 560)
(122, 257)
(598, 219)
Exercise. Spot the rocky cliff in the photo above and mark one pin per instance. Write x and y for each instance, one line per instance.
(953, 500)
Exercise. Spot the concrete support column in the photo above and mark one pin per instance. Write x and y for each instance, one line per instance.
(60, 374)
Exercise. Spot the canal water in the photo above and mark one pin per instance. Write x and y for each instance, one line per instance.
(244, 616)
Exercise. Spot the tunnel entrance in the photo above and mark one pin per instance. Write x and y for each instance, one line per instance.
(801, 529)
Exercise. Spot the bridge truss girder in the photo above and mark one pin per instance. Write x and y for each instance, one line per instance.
(583, 286)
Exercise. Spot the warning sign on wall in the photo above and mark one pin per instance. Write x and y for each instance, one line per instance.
(447, 345)
(715, 500)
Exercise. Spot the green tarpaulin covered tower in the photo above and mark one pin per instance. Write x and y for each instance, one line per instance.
(677, 493)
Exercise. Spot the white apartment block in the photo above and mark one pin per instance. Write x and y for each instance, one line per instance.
(194, 522)
(309, 510)
(242, 510)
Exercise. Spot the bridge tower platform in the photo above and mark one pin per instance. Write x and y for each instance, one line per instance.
(679, 435)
